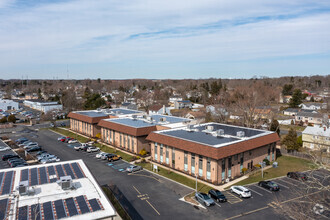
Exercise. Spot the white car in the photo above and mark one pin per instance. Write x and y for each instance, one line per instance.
(92, 149)
(50, 160)
(72, 141)
(4, 148)
(99, 155)
(133, 168)
(79, 147)
(241, 191)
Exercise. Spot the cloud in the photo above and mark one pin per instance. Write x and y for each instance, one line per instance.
(163, 32)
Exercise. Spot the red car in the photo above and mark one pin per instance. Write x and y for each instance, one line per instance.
(64, 139)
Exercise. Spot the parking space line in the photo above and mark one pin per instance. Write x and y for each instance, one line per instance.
(152, 177)
(255, 192)
(153, 207)
(136, 190)
(282, 185)
(259, 187)
(286, 182)
(217, 204)
(231, 198)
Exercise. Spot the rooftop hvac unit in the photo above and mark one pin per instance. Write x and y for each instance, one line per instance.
(23, 187)
(162, 119)
(134, 117)
(220, 132)
(240, 134)
(209, 128)
(149, 118)
(98, 109)
(66, 182)
(190, 127)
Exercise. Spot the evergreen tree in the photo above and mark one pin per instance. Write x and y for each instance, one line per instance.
(11, 118)
(296, 99)
(275, 126)
(290, 140)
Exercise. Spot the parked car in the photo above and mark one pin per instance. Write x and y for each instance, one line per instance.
(50, 160)
(68, 139)
(297, 176)
(30, 145)
(72, 141)
(19, 164)
(24, 143)
(41, 152)
(99, 155)
(133, 168)
(113, 157)
(64, 138)
(45, 156)
(21, 140)
(32, 149)
(204, 199)
(4, 148)
(241, 191)
(105, 156)
(92, 149)
(7, 156)
(217, 195)
(79, 147)
(269, 185)
(60, 138)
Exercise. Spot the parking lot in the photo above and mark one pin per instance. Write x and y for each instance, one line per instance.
(152, 196)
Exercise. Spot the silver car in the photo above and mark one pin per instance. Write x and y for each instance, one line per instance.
(204, 199)
(133, 168)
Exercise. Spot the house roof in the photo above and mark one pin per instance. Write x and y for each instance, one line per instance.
(292, 110)
(155, 107)
(205, 144)
(317, 130)
(309, 114)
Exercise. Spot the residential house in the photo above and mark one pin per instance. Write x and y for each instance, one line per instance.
(7, 104)
(309, 118)
(316, 138)
(183, 104)
(311, 106)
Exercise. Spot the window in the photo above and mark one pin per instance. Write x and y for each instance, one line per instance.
(132, 144)
(161, 153)
(236, 157)
(250, 152)
(167, 154)
(185, 161)
(173, 156)
(242, 161)
(124, 141)
(223, 169)
(120, 140)
(192, 163)
(128, 142)
(156, 158)
(200, 166)
(229, 166)
(208, 169)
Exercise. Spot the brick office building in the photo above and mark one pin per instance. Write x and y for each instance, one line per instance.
(86, 122)
(215, 152)
(130, 133)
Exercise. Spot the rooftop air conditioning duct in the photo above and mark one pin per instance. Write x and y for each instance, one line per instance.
(209, 128)
(66, 182)
(240, 134)
(220, 132)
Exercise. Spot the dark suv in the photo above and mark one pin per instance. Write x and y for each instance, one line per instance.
(217, 195)
(8, 156)
(297, 176)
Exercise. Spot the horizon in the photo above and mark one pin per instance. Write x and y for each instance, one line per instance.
(80, 39)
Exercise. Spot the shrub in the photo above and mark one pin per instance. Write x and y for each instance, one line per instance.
(266, 161)
(11, 118)
(143, 160)
(143, 152)
(257, 165)
(3, 120)
(244, 170)
(98, 135)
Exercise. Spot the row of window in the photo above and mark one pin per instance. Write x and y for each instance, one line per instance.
(125, 141)
(86, 127)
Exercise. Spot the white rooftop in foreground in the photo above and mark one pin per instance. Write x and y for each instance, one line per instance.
(45, 196)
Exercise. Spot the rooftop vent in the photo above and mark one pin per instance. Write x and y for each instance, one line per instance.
(23, 187)
(220, 132)
(66, 182)
(209, 128)
(240, 134)
(162, 119)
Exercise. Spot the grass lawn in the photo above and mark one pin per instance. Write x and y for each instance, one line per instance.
(102, 147)
(285, 164)
(177, 177)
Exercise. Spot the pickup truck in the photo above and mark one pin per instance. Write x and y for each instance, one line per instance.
(80, 147)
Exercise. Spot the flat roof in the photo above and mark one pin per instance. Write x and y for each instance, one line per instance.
(203, 135)
(106, 112)
(152, 120)
(45, 196)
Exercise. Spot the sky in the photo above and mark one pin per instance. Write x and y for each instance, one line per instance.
(157, 39)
